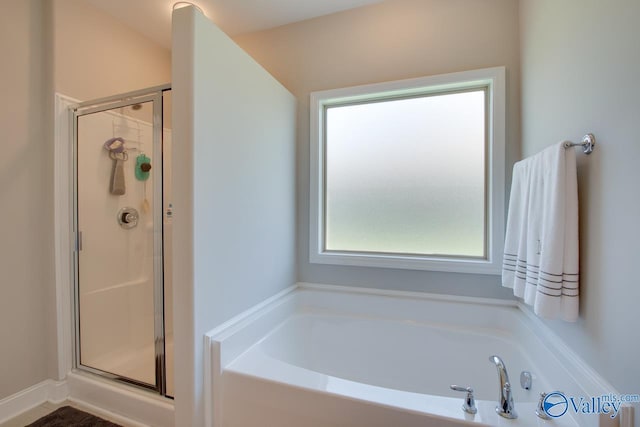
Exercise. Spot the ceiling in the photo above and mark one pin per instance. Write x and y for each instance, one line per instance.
(153, 17)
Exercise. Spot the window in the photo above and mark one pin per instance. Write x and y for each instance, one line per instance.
(410, 174)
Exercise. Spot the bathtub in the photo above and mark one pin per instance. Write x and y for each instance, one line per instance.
(327, 356)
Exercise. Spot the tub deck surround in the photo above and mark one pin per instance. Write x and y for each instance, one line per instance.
(319, 355)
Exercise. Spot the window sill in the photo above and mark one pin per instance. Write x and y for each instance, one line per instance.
(407, 262)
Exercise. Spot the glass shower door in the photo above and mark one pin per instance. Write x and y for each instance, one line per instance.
(119, 268)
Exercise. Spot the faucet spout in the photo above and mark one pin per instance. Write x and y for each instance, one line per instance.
(506, 407)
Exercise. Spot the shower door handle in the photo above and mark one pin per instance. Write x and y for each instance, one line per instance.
(78, 241)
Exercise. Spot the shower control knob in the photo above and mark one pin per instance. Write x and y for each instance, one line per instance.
(128, 217)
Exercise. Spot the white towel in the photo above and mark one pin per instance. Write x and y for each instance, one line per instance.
(515, 249)
(541, 242)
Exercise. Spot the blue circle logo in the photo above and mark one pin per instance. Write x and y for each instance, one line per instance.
(555, 404)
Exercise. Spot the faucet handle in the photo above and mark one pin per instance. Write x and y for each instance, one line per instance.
(460, 388)
(469, 405)
(540, 412)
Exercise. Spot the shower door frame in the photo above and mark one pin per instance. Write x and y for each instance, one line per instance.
(154, 95)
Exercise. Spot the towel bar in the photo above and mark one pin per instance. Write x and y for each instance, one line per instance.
(587, 144)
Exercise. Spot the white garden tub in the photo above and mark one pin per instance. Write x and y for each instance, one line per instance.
(322, 356)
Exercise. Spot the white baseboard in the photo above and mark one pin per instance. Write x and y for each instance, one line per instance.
(46, 391)
(118, 402)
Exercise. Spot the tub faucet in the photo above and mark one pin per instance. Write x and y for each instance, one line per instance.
(505, 408)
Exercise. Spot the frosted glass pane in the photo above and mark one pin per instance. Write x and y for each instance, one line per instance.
(407, 176)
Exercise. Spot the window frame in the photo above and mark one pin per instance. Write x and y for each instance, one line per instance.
(494, 81)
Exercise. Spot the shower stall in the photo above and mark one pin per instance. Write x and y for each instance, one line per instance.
(122, 221)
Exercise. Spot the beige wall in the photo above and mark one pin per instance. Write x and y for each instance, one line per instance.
(26, 229)
(394, 40)
(97, 56)
(580, 68)
(69, 47)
